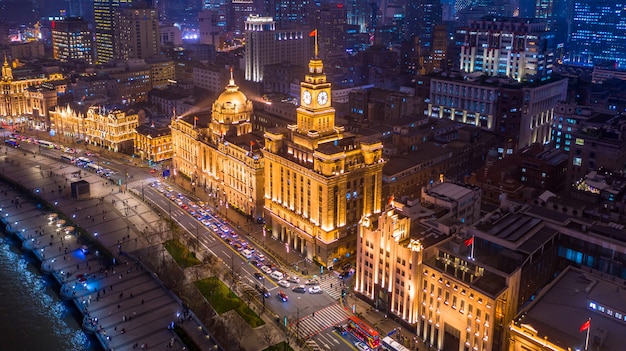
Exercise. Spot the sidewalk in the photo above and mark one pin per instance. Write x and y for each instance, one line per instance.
(119, 222)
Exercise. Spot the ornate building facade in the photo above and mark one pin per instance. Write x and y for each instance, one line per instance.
(153, 143)
(221, 154)
(319, 180)
(26, 99)
(111, 128)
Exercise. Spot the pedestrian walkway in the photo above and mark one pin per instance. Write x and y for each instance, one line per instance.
(123, 303)
(331, 285)
(317, 321)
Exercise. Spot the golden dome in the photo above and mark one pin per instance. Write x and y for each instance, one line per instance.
(232, 98)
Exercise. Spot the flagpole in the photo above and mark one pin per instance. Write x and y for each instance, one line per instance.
(587, 338)
(316, 50)
(472, 253)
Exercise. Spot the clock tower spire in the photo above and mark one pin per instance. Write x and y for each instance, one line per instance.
(315, 113)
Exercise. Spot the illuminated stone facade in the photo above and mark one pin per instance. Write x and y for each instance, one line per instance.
(219, 152)
(68, 122)
(153, 142)
(111, 128)
(23, 97)
(320, 181)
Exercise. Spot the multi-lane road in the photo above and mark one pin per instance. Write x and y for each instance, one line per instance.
(311, 316)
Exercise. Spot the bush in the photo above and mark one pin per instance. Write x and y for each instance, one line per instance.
(181, 254)
(223, 300)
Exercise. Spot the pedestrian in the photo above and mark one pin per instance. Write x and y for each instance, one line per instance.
(119, 306)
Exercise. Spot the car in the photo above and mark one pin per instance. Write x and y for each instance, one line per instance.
(206, 222)
(299, 289)
(260, 256)
(263, 290)
(361, 346)
(346, 266)
(237, 246)
(254, 262)
(294, 279)
(282, 296)
(259, 276)
(315, 290)
(312, 282)
(283, 283)
(266, 269)
(152, 170)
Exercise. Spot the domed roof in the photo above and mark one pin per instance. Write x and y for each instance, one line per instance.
(232, 96)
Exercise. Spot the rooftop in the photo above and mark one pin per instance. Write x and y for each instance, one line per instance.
(563, 307)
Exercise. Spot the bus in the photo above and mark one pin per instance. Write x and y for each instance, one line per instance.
(392, 345)
(45, 144)
(94, 167)
(12, 142)
(67, 158)
(363, 332)
(82, 161)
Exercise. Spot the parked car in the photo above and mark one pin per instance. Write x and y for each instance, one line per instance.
(315, 290)
(299, 289)
(283, 283)
(282, 296)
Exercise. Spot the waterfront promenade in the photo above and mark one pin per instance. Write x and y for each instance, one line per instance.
(125, 305)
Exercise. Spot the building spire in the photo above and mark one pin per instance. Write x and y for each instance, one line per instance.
(231, 82)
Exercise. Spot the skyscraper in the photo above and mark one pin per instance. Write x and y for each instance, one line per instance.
(265, 45)
(136, 33)
(72, 40)
(103, 12)
(598, 32)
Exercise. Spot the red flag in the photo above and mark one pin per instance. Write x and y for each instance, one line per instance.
(469, 241)
(585, 325)
(313, 33)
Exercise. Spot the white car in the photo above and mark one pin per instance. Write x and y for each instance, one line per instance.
(362, 346)
(284, 283)
(266, 269)
(294, 279)
(315, 290)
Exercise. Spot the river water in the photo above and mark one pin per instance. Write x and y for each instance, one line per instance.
(32, 314)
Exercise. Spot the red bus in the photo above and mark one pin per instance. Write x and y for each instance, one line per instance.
(363, 332)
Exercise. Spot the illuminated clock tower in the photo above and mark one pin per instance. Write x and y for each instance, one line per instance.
(315, 112)
(320, 180)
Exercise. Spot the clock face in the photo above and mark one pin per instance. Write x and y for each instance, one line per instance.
(306, 97)
(322, 98)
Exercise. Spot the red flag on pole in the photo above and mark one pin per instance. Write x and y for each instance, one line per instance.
(313, 33)
(585, 326)
(469, 241)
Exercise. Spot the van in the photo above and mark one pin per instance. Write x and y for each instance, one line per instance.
(276, 275)
(246, 253)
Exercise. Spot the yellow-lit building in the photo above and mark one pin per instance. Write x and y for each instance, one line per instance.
(68, 122)
(111, 128)
(219, 152)
(21, 98)
(411, 269)
(319, 180)
(153, 142)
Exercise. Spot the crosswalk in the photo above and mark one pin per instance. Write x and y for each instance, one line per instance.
(312, 324)
(335, 290)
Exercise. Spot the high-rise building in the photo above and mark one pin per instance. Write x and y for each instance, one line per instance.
(239, 12)
(597, 32)
(421, 18)
(331, 20)
(319, 180)
(289, 13)
(358, 14)
(212, 25)
(518, 48)
(265, 45)
(72, 40)
(104, 13)
(136, 33)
